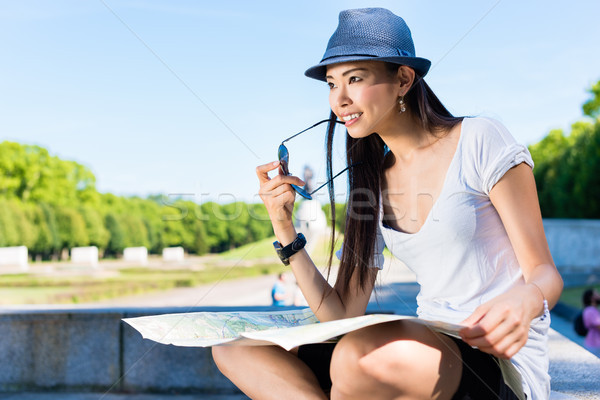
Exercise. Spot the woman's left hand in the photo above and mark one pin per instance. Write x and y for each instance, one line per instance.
(501, 326)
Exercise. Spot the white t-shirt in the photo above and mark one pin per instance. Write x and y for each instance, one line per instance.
(462, 256)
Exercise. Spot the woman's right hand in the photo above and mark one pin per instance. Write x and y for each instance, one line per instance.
(278, 195)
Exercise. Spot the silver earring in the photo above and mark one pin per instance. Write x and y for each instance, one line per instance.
(401, 104)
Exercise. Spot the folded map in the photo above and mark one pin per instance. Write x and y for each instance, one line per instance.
(288, 329)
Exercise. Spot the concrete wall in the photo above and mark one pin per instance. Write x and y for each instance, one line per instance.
(93, 350)
(85, 256)
(13, 257)
(575, 247)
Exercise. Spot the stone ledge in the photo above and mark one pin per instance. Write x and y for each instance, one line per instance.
(91, 350)
(574, 370)
(118, 396)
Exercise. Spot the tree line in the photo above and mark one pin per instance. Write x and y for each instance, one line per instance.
(567, 166)
(49, 205)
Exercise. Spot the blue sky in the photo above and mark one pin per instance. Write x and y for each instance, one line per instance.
(187, 97)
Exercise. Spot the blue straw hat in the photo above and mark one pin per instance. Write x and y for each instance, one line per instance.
(370, 34)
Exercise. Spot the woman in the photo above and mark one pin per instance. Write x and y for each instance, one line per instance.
(591, 320)
(455, 199)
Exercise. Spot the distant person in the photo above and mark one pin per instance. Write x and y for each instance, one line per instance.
(278, 291)
(591, 320)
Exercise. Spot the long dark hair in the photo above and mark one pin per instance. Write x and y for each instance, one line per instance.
(365, 180)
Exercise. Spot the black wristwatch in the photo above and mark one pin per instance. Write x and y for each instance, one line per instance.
(286, 252)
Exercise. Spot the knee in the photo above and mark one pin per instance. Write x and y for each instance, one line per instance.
(223, 357)
(346, 368)
(358, 362)
(389, 362)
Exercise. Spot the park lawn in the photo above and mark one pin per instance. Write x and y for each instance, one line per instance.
(252, 251)
(30, 289)
(572, 296)
(29, 295)
(253, 259)
(263, 250)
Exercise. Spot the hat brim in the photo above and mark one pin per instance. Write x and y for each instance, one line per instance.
(420, 65)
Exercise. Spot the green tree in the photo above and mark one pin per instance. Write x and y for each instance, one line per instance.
(259, 224)
(547, 155)
(340, 216)
(150, 212)
(195, 242)
(16, 228)
(71, 228)
(215, 221)
(584, 180)
(9, 234)
(237, 219)
(567, 167)
(30, 174)
(135, 231)
(591, 108)
(45, 240)
(94, 223)
(50, 218)
(116, 241)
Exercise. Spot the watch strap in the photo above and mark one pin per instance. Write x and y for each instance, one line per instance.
(285, 252)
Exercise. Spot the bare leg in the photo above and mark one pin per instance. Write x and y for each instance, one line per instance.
(267, 372)
(397, 360)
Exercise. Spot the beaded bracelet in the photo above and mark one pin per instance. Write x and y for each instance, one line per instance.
(546, 311)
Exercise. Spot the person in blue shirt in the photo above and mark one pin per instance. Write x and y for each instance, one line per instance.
(278, 291)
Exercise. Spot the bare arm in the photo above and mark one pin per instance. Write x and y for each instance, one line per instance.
(515, 198)
(500, 326)
(279, 196)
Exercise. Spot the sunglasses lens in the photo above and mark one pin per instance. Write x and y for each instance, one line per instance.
(302, 192)
(283, 156)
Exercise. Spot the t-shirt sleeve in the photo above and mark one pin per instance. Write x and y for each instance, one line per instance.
(378, 258)
(496, 151)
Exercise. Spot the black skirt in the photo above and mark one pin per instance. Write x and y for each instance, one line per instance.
(481, 375)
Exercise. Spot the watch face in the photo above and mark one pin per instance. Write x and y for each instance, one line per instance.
(286, 252)
(298, 245)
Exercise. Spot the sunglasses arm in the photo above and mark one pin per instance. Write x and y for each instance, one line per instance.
(310, 127)
(335, 176)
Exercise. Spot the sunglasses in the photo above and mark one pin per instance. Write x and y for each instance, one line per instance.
(284, 159)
